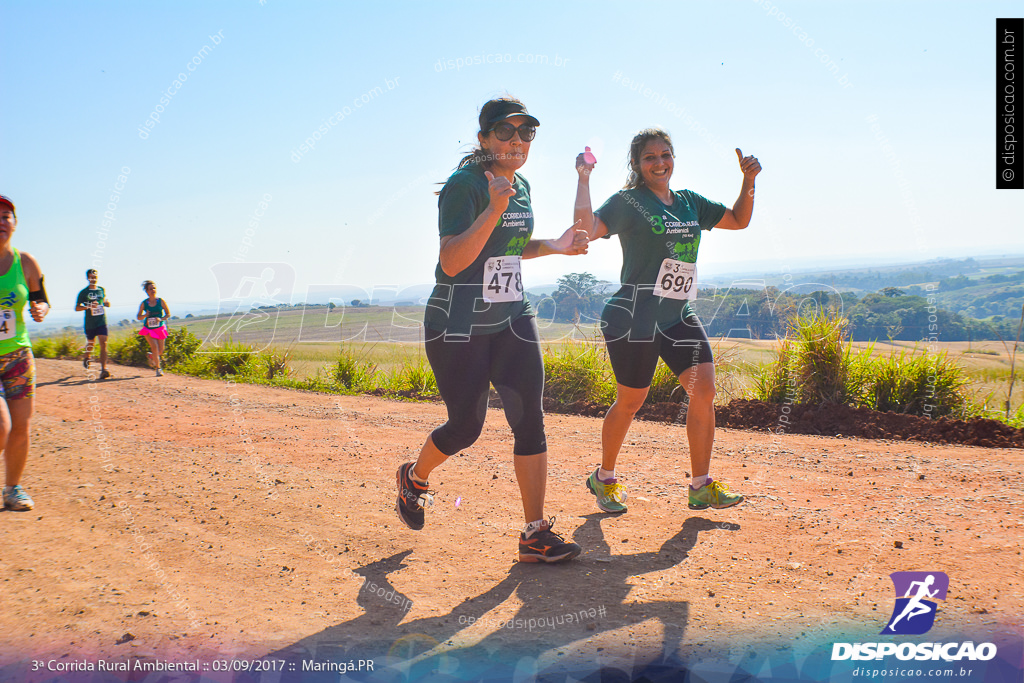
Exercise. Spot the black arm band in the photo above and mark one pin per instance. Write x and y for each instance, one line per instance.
(39, 294)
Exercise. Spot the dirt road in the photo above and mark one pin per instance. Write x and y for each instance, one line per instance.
(181, 519)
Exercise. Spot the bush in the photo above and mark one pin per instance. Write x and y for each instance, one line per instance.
(265, 367)
(68, 346)
(927, 385)
(578, 371)
(815, 364)
(44, 348)
(823, 361)
(232, 359)
(129, 350)
(775, 381)
(353, 373)
(198, 365)
(180, 345)
(413, 380)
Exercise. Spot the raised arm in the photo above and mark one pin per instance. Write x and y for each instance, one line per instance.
(738, 217)
(459, 251)
(574, 240)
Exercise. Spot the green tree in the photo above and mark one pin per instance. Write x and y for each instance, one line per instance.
(578, 295)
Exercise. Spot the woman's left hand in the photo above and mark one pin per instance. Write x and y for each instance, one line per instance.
(573, 241)
(750, 166)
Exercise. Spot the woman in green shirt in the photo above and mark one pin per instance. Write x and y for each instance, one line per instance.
(21, 281)
(650, 316)
(479, 325)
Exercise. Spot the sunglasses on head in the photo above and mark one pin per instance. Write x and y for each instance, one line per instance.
(504, 131)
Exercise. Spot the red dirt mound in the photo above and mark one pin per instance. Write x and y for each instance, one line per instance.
(833, 420)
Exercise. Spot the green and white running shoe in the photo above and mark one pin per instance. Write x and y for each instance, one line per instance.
(713, 494)
(611, 495)
(15, 498)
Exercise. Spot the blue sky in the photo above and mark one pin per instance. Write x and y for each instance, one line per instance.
(791, 82)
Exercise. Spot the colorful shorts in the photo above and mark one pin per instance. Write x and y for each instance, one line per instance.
(17, 374)
(154, 332)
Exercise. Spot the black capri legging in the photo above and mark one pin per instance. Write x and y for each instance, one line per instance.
(465, 367)
(681, 347)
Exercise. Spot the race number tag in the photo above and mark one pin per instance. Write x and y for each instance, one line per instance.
(677, 280)
(96, 308)
(503, 279)
(153, 322)
(8, 324)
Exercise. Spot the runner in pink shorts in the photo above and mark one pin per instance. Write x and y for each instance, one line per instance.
(153, 312)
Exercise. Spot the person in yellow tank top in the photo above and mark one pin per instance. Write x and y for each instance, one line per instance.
(21, 281)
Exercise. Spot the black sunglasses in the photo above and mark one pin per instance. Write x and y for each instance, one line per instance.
(504, 131)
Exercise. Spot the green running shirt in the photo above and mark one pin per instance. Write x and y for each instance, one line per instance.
(13, 295)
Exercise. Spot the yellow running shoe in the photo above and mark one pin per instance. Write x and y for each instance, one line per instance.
(713, 494)
(611, 495)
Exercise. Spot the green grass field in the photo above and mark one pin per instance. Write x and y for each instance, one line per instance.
(390, 338)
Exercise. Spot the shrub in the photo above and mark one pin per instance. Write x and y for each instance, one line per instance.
(354, 374)
(775, 381)
(266, 366)
(232, 359)
(129, 350)
(413, 380)
(198, 365)
(181, 345)
(68, 346)
(815, 364)
(44, 348)
(578, 371)
(825, 368)
(930, 385)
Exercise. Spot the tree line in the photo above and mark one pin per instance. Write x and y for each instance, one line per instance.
(763, 313)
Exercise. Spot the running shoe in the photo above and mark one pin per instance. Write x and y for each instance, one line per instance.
(546, 546)
(159, 372)
(713, 494)
(611, 495)
(413, 497)
(104, 374)
(85, 363)
(15, 498)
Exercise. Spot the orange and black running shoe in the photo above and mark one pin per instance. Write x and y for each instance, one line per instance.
(544, 545)
(412, 498)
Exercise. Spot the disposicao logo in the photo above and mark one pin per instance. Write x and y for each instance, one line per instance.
(914, 614)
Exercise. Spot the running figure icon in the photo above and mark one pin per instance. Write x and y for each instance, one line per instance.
(916, 607)
(916, 601)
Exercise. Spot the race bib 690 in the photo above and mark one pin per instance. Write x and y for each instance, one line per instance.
(677, 280)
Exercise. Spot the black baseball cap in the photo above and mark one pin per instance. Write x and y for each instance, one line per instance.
(506, 109)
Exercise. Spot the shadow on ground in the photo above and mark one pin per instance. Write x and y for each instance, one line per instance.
(75, 381)
(562, 605)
